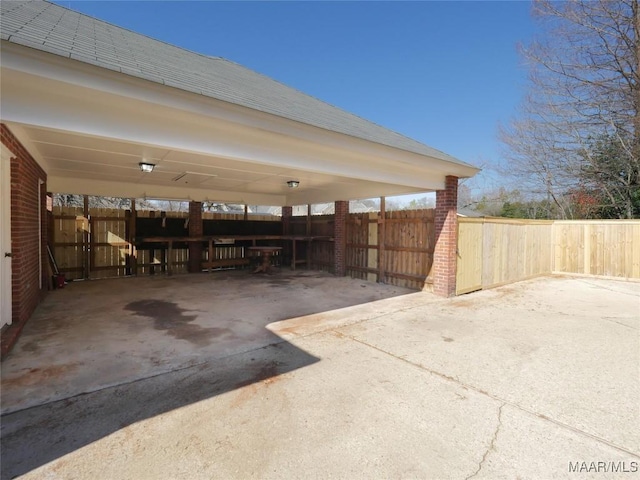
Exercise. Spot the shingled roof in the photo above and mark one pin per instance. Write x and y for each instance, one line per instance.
(54, 29)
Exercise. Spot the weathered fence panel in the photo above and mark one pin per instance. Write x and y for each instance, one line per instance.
(322, 251)
(361, 237)
(396, 248)
(409, 242)
(153, 259)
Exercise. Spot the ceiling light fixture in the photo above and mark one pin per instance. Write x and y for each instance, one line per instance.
(293, 183)
(147, 167)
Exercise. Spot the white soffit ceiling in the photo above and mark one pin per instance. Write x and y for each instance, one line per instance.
(81, 159)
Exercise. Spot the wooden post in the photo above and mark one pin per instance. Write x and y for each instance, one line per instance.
(133, 251)
(293, 261)
(340, 235)
(381, 237)
(211, 253)
(86, 247)
(308, 235)
(195, 230)
(152, 251)
(287, 213)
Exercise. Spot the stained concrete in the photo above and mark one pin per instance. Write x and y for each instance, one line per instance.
(530, 380)
(96, 334)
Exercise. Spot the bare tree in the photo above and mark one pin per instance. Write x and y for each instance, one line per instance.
(584, 93)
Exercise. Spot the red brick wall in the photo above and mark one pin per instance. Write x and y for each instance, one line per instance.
(340, 238)
(446, 226)
(195, 230)
(25, 242)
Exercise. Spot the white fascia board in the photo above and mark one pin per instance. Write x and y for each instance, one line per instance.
(73, 72)
(83, 186)
(353, 193)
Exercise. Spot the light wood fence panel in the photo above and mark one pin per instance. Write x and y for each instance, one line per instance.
(69, 227)
(469, 269)
(109, 244)
(595, 247)
(494, 252)
(514, 250)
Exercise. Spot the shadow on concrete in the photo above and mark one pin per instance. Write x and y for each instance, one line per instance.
(99, 356)
(38, 435)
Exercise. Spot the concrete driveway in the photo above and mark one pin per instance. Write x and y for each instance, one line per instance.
(538, 379)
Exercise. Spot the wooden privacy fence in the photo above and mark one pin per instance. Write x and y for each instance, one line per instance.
(316, 254)
(495, 251)
(391, 247)
(97, 243)
(91, 246)
(609, 248)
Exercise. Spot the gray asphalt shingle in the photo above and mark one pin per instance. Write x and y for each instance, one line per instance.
(60, 31)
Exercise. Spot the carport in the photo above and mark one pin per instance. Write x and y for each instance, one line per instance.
(85, 104)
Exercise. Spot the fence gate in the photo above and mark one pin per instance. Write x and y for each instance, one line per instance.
(95, 245)
(469, 269)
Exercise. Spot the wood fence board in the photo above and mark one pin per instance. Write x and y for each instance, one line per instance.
(469, 271)
(407, 240)
(507, 251)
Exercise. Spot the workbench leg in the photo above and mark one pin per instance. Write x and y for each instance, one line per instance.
(211, 253)
(293, 262)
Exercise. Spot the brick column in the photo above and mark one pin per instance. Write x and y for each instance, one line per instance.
(340, 238)
(195, 230)
(446, 225)
(29, 235)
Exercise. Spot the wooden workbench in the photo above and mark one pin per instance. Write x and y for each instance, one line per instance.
(227, 240)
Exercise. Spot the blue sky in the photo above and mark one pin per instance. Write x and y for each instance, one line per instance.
(445, 73)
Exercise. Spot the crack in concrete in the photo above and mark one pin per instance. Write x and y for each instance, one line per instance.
(491, 444)
(601, 287)
(501, 400)
(613, 320)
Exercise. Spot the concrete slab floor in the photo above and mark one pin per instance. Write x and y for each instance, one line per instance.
(96, 334)
(539, 379)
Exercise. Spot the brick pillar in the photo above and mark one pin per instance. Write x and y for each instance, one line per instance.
(446, 225)
(29, 232)
(340, 238)
(195, 230)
